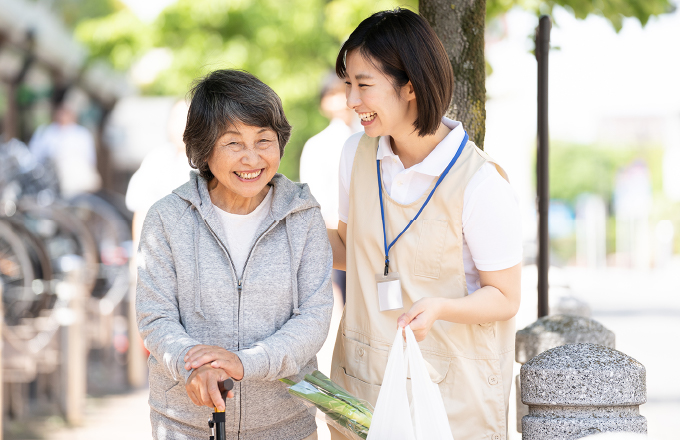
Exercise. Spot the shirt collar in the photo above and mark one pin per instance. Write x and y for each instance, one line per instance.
(436, 162)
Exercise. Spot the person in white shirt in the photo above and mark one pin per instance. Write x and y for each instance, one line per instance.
(165, 168)
(428, 232)
(162, 170)
(320, 159)
(70, 147)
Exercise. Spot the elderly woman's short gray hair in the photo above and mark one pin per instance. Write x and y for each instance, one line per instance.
(225, 97)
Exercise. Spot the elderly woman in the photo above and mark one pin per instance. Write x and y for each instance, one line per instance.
(234, 273)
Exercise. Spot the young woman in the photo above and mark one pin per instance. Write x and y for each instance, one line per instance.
(453, 274)
(234, 274)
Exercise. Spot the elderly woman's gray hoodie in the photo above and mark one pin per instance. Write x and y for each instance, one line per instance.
(275, 316)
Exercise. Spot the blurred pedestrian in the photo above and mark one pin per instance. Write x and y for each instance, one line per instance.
(320, 159)
(234, 274)
(70, 148)
(165, 168)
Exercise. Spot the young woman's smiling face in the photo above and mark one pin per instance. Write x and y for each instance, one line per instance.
(370, 93)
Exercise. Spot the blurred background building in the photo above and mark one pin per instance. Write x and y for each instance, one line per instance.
(121, 66)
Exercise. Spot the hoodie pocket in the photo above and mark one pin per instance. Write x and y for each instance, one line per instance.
(172, 393)
(267, 404)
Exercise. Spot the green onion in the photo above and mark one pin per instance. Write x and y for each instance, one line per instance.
(322, 382)
(334, 401)
(307, 391)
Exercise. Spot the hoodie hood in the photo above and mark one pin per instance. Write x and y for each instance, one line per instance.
(288, 197)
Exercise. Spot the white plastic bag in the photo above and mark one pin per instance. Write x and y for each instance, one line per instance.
(392, 418)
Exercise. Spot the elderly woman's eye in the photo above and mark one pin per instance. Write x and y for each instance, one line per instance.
(264, 143)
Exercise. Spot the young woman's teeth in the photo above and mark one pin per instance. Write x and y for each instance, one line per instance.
(367, 116)
(248, 176)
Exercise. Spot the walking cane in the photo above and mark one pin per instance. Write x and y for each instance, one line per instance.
(217, 422)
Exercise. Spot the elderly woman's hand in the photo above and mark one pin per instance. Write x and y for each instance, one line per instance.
(202, 387)
(216, 357)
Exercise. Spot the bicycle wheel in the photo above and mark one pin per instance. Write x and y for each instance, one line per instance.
(69, 243)
(112, 235)
(17, 274)
(41, 286)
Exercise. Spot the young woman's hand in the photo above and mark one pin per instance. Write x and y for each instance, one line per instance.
(215, 357)
(421, 316)
(202, 387)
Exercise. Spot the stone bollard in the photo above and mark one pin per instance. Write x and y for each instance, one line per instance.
(570, 305)
(550, 332)
(581, 389)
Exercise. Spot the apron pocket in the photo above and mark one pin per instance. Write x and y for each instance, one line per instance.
(430, 248)
(368, 364)
(437, 367)
(364, 362)
(358, 388)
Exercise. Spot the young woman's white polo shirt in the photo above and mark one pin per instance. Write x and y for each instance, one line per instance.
(492, 235)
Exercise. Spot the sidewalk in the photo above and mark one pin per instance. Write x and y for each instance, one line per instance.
(114, 417)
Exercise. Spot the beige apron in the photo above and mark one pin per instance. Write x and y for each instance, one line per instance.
(471, 363)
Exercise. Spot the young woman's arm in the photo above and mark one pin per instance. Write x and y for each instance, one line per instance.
(337, 238)
(497, 300)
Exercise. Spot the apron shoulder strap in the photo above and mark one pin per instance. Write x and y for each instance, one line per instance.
(488, 158)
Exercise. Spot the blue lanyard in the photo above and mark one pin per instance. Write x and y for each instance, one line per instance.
(382, 209)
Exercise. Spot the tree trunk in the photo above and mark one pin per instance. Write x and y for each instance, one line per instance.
(459, 24)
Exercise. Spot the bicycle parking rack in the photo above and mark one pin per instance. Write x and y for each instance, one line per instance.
(64, 279)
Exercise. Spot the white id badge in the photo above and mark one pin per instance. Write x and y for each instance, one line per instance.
(389, 291)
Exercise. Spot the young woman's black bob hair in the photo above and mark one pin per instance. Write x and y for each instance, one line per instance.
(402, 45)
(225, 97)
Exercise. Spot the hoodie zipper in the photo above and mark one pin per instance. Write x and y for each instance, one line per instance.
(239, 287)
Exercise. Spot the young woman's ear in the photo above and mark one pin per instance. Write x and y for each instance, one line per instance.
(407, 92)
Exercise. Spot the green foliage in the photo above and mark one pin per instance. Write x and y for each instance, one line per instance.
(74, 11)
(344, 15)
(577, 169)
(288, 44)
(613, 10)
(118, 38)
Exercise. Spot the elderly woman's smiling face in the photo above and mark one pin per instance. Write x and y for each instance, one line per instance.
(243, 161)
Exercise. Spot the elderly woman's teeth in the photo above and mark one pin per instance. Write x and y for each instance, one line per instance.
(248, 176)
(367, 116)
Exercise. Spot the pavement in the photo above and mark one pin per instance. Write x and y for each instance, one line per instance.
(642, 307)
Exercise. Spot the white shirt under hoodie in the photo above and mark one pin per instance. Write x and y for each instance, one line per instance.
(241, 229)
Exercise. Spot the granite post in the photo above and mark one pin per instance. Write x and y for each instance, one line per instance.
(550, 332)
(577, 390)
